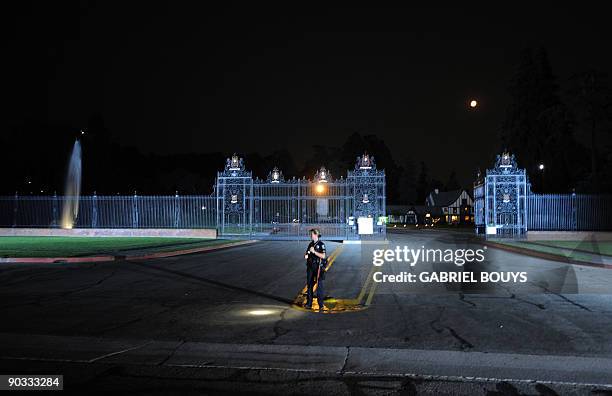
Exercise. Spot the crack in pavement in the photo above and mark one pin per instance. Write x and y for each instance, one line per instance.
(37, 301)
(99, 282)
(439, 327)
(119, 352)
(171, 353)
(572, 302)
(462, 298)
(346, 358)
(561, 296)
(278, 330)
(513, 296)
(37, 273)
(404, 316)
(127, 323)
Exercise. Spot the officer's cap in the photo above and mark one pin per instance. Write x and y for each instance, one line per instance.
(315, 231)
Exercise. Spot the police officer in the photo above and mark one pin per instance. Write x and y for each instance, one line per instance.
(316, 259)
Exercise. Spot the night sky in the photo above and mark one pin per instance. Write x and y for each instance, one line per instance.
(177, 78)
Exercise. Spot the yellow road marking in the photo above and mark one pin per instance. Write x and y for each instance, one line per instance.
(365, 285)
(340, 305)
(371, 295)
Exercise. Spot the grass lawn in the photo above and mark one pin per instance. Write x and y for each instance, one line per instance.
(578, 250)
(602, 247)
(88, 246)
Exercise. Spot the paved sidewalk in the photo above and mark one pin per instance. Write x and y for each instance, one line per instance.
(557, 372)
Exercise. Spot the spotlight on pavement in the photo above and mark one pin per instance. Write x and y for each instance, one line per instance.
(261, 312)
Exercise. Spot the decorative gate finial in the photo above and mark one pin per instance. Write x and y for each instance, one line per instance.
(505, 160)
(365, 162)
(234, 167)
(235, 163)
(275, 176)
(322, 175)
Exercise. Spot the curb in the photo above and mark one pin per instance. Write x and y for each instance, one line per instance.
(371, 363)
(543, 255)
(98, 259)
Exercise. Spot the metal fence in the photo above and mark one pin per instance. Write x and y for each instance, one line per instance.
(190, 211)
(505, 206)
(240, 206)
(569, 212)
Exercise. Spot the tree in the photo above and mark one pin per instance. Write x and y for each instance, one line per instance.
(592, 103)
(408, 182)
(422, 186)
(339, 160)
(452, 183)
(538, 126)
(329, 157)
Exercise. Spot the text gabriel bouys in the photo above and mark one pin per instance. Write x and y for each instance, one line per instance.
(446, 277)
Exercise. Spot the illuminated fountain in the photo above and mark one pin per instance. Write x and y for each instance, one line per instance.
(72, 192)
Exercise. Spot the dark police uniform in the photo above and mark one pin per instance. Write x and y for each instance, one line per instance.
(313, 263)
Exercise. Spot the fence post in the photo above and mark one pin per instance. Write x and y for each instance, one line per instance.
(94, 210)
(176, 210)
(54, 222)
(15, 204)
(135, 211)
(574, 212)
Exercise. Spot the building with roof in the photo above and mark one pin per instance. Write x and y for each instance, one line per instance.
(413, 214)
(452, 207)
(398, 214)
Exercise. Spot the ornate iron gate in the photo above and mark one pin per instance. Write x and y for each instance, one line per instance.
(501, 198)
(504, 205)
(277, 208)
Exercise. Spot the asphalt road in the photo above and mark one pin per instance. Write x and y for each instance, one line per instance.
(242, 296)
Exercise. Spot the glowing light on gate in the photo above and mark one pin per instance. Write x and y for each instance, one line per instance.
(320, 188)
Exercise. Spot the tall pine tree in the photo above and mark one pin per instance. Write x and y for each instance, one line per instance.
(537, 127)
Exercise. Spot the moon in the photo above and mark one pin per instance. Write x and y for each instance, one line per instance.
(473, 103)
